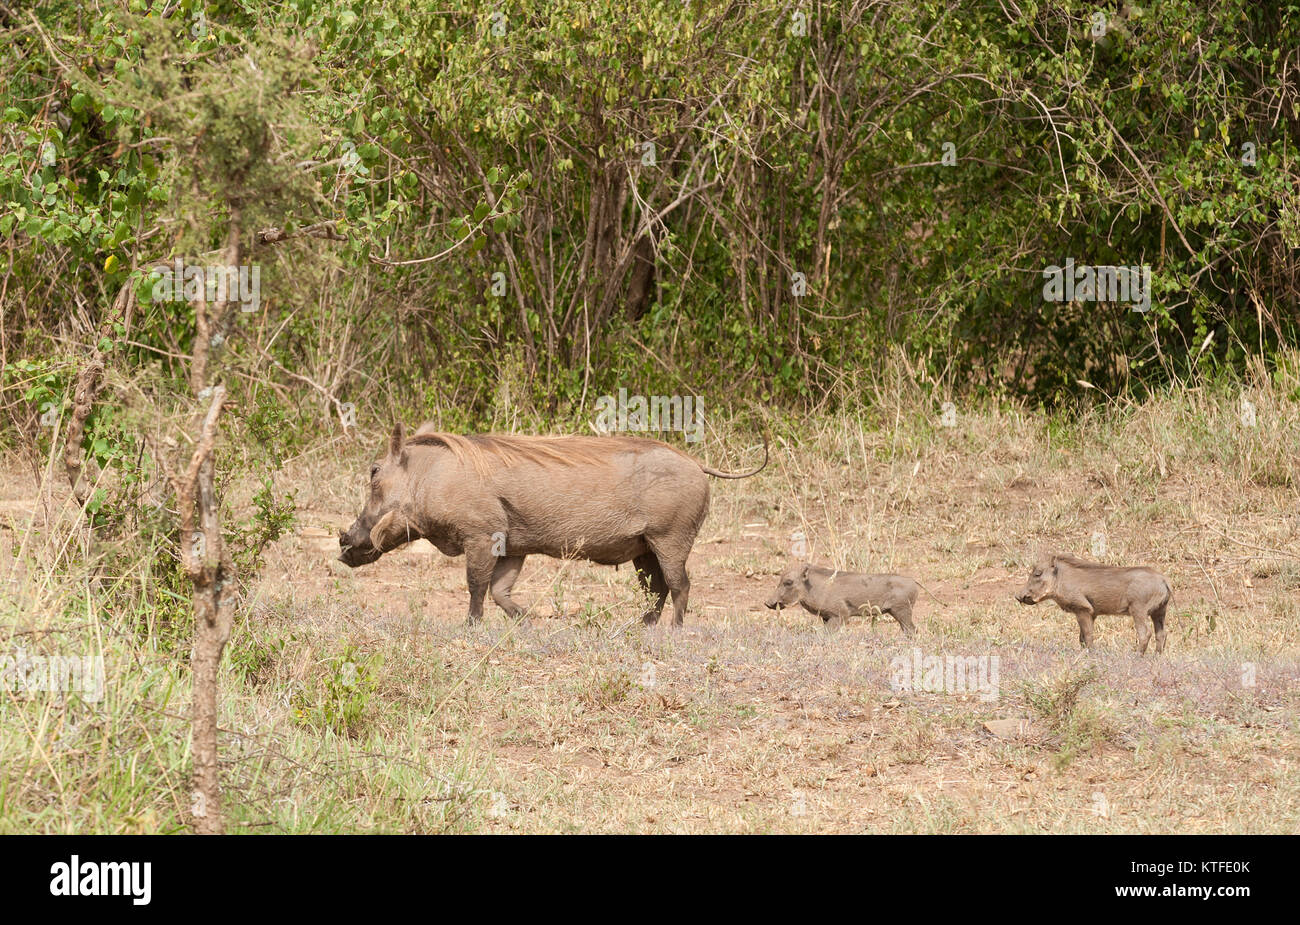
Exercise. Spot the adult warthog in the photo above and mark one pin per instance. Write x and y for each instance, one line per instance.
(498, 499)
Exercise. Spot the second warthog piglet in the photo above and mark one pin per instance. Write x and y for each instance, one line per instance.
(1088, 590)
(834, 595)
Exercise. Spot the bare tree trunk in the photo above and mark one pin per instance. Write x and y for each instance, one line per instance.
(202, 336)
(212, 572)
(642, 282)
(208, 563)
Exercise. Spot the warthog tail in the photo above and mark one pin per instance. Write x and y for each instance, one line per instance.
(718, 473)
(932, 594)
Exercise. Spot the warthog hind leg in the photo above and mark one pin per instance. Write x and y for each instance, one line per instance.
(1142, 625)
(903, 614)
(651, 577)
(673, 567)
(504, 575)
(1158, 621)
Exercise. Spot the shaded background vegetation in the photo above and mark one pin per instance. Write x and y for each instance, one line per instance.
(430, 146)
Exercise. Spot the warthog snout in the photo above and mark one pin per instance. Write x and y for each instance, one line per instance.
(789, 588)
(1040, 584)
(355, 546)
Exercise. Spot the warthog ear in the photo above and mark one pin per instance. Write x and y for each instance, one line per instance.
(397, 443)
(803, 574)
(393, 530)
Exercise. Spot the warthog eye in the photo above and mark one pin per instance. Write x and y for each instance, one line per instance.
(788, 582)
(374, 471)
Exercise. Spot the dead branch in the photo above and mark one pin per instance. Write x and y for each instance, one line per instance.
(89, 381)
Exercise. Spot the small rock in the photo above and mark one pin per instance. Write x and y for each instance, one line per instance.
(1009, 728)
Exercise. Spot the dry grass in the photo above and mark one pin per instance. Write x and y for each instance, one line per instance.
(361, 701)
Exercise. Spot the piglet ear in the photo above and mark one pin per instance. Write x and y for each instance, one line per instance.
(397, 441)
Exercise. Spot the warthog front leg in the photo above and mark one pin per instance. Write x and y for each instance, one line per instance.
(479, 566)
(1085, 618)
(504, 575)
